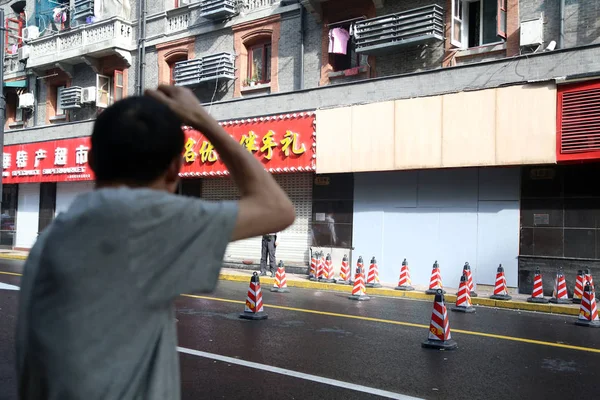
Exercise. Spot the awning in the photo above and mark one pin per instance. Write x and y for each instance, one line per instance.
(16, 84)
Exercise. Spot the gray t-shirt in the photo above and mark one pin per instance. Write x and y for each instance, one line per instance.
(96, 318)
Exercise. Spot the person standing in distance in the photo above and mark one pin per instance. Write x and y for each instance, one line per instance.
(269, 246)
(96, 318)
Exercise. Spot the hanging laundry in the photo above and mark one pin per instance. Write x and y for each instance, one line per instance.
(338, 41)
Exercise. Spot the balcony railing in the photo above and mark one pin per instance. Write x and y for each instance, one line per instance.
(386, 33)
(251, 5)
(94, 39)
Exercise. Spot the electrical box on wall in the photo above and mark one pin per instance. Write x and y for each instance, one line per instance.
(26, 100)
(532, 32)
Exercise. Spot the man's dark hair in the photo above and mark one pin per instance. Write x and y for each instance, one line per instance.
(134, 141)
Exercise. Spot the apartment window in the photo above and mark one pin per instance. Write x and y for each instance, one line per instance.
(171, 62)
(13, 33)
(118, 86)
(109, 88)
(13, 114)
(259, 63)
(342, 62)
(59, 111)
(478, 22)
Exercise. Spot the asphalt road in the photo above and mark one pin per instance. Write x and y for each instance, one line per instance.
(312, 338)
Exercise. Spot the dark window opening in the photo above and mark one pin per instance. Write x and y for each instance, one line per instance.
(259, 63)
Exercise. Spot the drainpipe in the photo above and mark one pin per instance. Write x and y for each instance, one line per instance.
(302, 33)
(141, 47)
(561, 39)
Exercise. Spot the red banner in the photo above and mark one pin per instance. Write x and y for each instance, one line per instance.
(62, 160)
(283, 144)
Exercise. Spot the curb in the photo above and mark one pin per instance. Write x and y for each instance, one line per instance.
(13, 257)
(450, 298)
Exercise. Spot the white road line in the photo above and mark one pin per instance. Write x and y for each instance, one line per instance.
(299, 375)
(6, 286)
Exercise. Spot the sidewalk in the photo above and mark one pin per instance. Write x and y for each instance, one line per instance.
(518, 302)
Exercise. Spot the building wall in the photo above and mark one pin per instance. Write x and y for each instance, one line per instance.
(27, 215)
(452, 216)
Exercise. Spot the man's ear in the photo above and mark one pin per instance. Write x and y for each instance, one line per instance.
(172, 175)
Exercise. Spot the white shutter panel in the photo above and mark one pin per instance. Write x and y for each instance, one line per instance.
(294, 242)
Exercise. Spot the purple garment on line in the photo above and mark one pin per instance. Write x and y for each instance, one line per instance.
(338, 41)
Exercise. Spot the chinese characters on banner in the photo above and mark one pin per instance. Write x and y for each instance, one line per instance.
(54, 161)
(282, 143)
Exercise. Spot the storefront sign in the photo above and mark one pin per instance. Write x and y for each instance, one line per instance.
(62, 160)
(283, 144)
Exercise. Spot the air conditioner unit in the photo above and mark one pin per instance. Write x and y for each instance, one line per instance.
(23, 52)
(532, 32)
(184, 2)
(88, 95)
(26, 100)
(70, 97)
(31, 33)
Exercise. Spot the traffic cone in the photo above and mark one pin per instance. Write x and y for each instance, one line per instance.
(254, 303)
(320, 266)
(344, 272)
(588, 313)
(463, 298)
(373, 278)
(327, 270)
(312, 275)
(280, 285)
(359, 292)
(470, 285)
(359, 264)
(559, 295)
(439, 328)
(537, 296)
(500, 290)
(435, 282)
(587, 277)
(578, 291)
(404, 280)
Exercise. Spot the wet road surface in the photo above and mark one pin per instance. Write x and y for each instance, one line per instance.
(374, 344)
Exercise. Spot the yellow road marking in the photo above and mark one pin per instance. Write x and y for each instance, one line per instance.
(409, 324)
(10, 273)
(388, 321)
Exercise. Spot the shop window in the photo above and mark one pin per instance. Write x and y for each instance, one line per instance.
(190, 187)
(259, 63)
(478, 22)
(47, 205)
(8, 215)
(333, 207)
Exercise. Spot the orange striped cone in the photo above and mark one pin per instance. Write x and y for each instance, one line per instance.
(435, 282)
(312, 275)
(359, 264)
(588, 313)
(500, 290)
(578, 291)
(327, 270)
(359, 292)
(254, 304)
(587, 277)
(470, 285)
(537, 296)
(439, 328)
(280, 285)
(559, 295)
(404, 280)
(344, 272)
(320, 266)
(463, 298)
(373, 278)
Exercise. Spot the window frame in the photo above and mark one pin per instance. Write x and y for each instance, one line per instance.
(59, 112)
(118, 73)
(171, 64)
(99, 92)
(501, 15)
(266, 71)
(464, 36)
(457, 16)
(350, 54)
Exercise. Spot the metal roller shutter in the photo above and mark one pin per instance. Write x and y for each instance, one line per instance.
(294, 242)
(28, 208)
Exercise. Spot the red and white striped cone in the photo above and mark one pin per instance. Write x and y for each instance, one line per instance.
(373, 277)
(312, 275)
(435, 282)
(588, 313)
(254, 309)
(327, 271)
(344, 272)
(320, 266)
(280, 285)
(359, 264)
(439, 328)
(587, 277)
(404, 282)
(537, 296)
(359, 292)
(578, 290)
(470, 285)
(463, 298)
(500, 290)
(559, 295)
